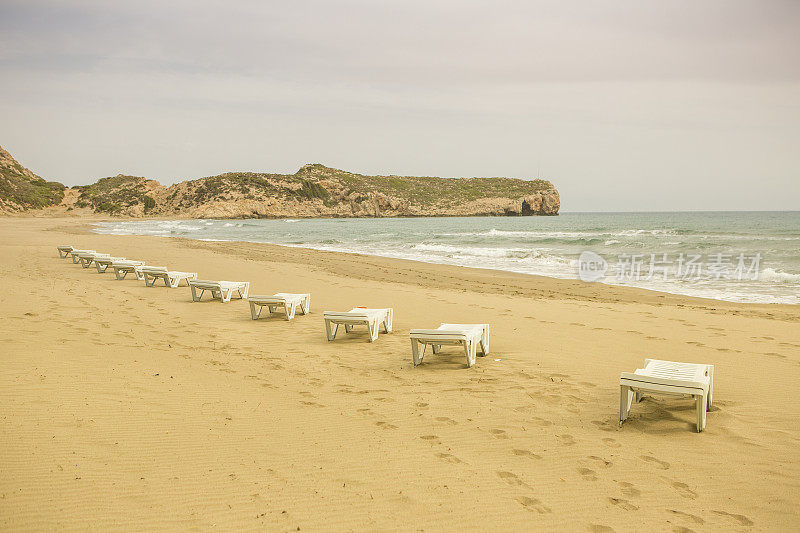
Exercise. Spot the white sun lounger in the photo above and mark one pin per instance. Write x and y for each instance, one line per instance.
(123, 268)
(74, 253)
(171, 278)
(222, 290)
(670, 379)
(64, 250)
(467, 335)
(102, 263)
(88, 258)
(359, 316)
(290, 302)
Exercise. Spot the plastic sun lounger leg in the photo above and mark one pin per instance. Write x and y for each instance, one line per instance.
(437, 348)
(710, 385)
(372, 329)
(625, 397)
(348, 328)
(194, 293)
(468, 351)
(226, 295)
(702, 405)
(305, 305)
(387, 323)
(253, 313)
(148, 281)
(417, 351)
(290, 310)
(331, 332)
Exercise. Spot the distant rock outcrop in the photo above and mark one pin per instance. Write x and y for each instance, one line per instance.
(313, 191)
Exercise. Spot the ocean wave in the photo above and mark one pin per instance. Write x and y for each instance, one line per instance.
(778, 276)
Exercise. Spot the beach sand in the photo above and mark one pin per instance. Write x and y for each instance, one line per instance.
(129, 407)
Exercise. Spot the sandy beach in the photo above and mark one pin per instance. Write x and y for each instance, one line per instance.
(130, 407)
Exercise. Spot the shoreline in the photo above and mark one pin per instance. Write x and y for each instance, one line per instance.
(127, 406)
(579, 284)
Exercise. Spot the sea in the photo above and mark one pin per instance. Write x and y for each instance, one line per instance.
(733, 256)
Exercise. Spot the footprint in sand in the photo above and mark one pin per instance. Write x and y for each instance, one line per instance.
(599, 528)
(695, 343)
(611, 443)
(743, 520)
(540, 421)
(511, 478)
(385, 425)
(565, 439)
(628, 489)
(623, 504)
(600, 461)
(525, 453)
(587, 474)
(684, 490)
(663, 465)
(428, 437)
(693, 518)
(312, 404)
(446, 420)
(449, 458)
(604, 425)
(499, 434)
(532, 504)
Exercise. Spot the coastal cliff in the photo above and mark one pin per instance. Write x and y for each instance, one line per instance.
(313, 191)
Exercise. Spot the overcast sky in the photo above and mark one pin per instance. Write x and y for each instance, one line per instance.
(624, 105)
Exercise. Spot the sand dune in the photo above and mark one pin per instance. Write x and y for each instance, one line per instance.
(128, 407)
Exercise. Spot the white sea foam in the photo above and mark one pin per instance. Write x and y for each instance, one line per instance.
(778, 276)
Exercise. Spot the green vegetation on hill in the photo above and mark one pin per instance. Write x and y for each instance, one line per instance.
(251, 185)
(21, 187)
(426, 191)
(112, 195)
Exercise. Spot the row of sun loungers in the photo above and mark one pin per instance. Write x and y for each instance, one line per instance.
(657, 377)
